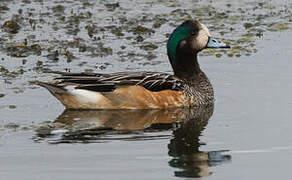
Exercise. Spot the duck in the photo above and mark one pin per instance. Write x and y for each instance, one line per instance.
(188, 86)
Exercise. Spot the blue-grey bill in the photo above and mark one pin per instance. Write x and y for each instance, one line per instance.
(214, 43)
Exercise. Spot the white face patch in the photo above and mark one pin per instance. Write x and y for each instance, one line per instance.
(205, 29)
(202, 38)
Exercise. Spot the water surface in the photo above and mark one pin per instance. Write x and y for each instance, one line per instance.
(246, 135)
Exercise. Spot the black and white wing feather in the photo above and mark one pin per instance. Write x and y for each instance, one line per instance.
(152, 81)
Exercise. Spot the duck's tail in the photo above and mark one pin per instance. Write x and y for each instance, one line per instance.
(73, 98)
(53, 88)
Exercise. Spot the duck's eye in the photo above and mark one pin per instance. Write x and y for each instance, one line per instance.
(193, 33)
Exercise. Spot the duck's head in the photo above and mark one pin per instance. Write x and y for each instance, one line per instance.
(188, 39)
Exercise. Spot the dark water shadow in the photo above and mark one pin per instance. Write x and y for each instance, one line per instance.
(184, 147)
(103, 126)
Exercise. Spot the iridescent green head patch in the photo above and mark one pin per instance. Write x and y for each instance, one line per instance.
(179, 34)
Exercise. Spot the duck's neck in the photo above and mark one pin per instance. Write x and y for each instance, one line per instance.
(186, 67)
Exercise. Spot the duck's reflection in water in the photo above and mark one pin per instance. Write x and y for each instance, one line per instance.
(105, 125)
(185, 144)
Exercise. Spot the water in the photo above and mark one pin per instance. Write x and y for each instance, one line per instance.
(246, 135)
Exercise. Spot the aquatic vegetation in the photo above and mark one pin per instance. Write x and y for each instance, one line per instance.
(158, 22)
(245, 40)
(12, 106)
(4, 8)
(58, 9)
(11, 26)
(147, 46)
(218, 55)
(11, 126)
(113, 6)
(23, 50)
(278, 27)
(142, 30)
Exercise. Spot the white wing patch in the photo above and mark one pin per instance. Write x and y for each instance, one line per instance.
(84, 96)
